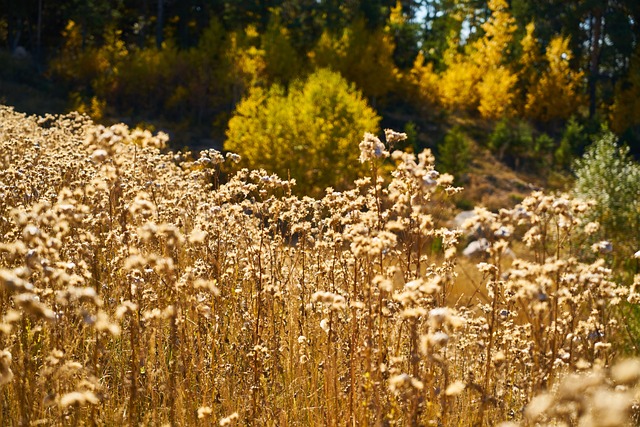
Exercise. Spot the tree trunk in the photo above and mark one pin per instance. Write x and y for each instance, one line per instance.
(160, 24)
(594, 60)
(39, 37)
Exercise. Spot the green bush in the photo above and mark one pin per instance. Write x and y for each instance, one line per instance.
(609, 176)
(573, 141)
(516, 143)
(310, 133)
(512, 142)
(455, 153)
(411, 129)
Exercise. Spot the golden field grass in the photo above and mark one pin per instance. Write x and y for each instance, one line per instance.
(138, 289)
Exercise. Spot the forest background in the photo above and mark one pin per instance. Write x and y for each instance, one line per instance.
(529, 81)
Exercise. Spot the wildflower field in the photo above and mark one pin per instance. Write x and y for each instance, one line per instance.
(138, 287)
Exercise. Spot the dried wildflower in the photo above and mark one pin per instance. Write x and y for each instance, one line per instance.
(204, 412)
(6, 375)
(324, 325)
(124, 308)
(229, 419)
(438, 316)
(498, 358)
(142, 206)
(103, 324)
(403, 381)
(413, 313)
(32, 305)
(591, 228)
(335, 301)
(538, 406)
(430, 179)
(99, 155)
(626, 371)
(372, 148)
(393, 137)
(231, 279)
(73, 294)
(455, 388)
(603, 247)
(235, 158)
(609, 408)
(78, 398)
(438, 339)
(13, 283)
(197, 236)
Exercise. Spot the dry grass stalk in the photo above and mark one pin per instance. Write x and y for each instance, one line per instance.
(137, 288)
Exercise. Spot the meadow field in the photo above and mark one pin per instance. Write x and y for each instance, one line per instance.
(140, 286)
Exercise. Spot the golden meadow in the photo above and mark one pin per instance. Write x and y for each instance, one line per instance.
(140, 288)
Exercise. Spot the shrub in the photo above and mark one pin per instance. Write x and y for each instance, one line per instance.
(455, 153)
(411, 130)
(310, 132)
(608, 175)
(512, 141)
(573, 140)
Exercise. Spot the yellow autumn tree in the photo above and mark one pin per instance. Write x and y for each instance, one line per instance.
(247, 61)
(496, 92)
(496, 88)
(422, 84)
(556, 93)
(531, 58)
(361, 55)
(529, 65)
(459, 80)
(480, 78)
(309, 132)
(283, 63)
(625, 111)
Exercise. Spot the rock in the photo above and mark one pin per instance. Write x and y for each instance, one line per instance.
(462, 217)
(21, 53)
(476, 248)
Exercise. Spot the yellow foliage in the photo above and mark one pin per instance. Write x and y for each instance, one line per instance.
(75, 63)
(247, 60)
(492, 49)
(496, 92)
(93, 108)
(556, 94)
(496, 89)
(530, 57)
(625, 111)
(459, 80)
(282, 61)
(362, 56)
(530, 62)
(310, 133)
(396, 17)
(422, 83)
(480, 79)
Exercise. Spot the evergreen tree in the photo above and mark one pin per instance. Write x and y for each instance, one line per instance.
(454, 153)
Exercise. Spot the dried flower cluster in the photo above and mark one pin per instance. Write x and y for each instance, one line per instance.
(134, 288)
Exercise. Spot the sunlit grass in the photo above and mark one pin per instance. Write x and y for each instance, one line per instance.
(136, 289)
